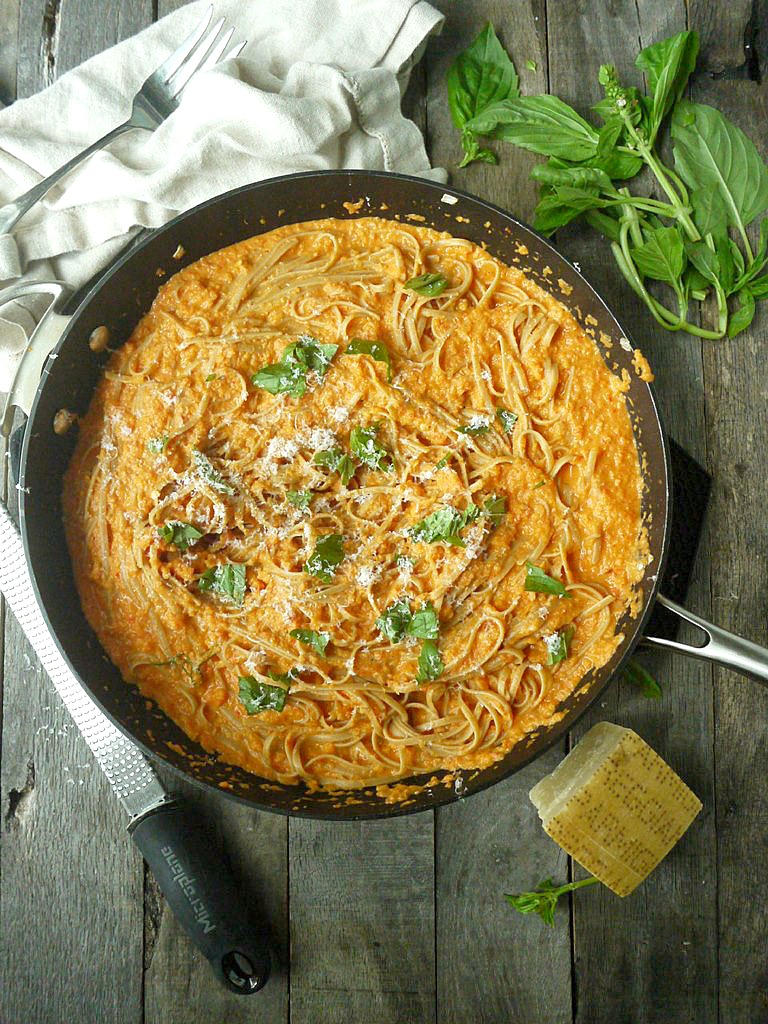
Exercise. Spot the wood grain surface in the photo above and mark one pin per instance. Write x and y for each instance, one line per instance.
(404, 922)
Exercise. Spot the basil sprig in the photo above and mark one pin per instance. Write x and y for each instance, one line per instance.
(326, 558)
(312, 638)
(691, 234)
(430, 285)
(257, 696)
(637, 675)
(537, 580)
(363, 443)
(181, 535)
(226, 579)
(289, 376)
(375, 349)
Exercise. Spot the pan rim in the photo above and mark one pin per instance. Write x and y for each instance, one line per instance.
(439, 795)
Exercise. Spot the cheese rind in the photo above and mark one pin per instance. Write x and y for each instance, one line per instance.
(615, 806)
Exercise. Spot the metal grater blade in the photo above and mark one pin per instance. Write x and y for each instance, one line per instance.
(127, 770)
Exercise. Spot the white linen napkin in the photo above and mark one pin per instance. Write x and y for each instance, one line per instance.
(318, 86)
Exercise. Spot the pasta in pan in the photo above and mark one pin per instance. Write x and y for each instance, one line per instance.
(356, 501)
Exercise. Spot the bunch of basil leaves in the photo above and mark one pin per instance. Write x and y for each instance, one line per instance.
(692, 234)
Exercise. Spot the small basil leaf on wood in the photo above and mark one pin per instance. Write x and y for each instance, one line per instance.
(326, 558)
(181, 535)
(257, 696)
(635, 674)
(227, 580)
(312, 638)
(430, 664)
(430, 285)
(375, 349)
(538, 581)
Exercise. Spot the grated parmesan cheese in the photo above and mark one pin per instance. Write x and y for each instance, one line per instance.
(340, 414)
(367, 574)
(551, 642)
(319, 439)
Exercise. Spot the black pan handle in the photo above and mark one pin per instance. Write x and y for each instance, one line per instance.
(197, 882)
(721, 647)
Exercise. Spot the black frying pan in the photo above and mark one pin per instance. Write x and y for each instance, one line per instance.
(125, 293)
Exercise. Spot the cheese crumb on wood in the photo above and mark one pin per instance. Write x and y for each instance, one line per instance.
(615, 806)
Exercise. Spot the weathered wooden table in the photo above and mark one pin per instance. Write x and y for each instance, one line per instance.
(404, 921)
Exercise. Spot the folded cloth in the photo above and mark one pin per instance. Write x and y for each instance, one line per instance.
(318, 86)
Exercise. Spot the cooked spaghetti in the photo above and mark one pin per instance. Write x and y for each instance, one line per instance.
(356, 501)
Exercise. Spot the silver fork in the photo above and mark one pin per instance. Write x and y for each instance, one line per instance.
(157, 98)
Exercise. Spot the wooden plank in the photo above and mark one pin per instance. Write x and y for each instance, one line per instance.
(362, 921)
(651, 956)
(737, 437)
(493, 843)
(71, 902)
(9, 40)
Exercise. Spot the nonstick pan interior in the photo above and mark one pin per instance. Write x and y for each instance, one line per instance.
(124, 295)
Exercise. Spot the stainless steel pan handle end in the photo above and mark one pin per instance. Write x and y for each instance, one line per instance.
(721, 647)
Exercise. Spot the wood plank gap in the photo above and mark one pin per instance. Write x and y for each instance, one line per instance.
(50, 39)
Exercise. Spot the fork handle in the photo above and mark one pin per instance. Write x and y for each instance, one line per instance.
(12, 212)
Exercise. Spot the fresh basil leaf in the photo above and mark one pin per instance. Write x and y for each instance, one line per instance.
(317, 641)
(443, 462)
(206, 471)
(473, 151)
(609, 135)
(530, 64)
(577, 177)
(727, 268)
(211, 377)
(300, 499)
(280, 378)
(507, 419)
(481, 75)
(619, 166)
(393, 623)
(337, 461)
(564, 204)
(712, 153)
(668, 65)
(637, 675)
(744, 315)
(181, 535)
(662, 256)
(538, 581)
(704, 260)
(226, 579)
(442, 525)
(430, 664)
(542, 124)
(476, 426)
(376, 349)
(559, 644)
(759, 287)
(362, 441)
(430, 285)
(256, 696)
(495, 509)
(605, 223)
(759, 261)
(424, 623)
(326, 558)
(157, 444)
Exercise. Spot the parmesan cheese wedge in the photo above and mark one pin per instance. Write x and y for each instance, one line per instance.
(615, 806)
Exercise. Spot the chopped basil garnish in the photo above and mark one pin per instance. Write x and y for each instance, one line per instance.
(537, 580)
(430, 285)
(394, 622)
(364, 445)
(375, 349)
(507, 419)
(430, 663)
(404, 563)
(185, 664)
(256, 696)
(317, 641)
(211, 476)
(300, 499)
(424, 623)
(541, 483)
(399, 621)
(157, 444)
(326, 558)
(444, 525)
(289, 376)
(443, 462)
(495, 508)
(211, 377)
(477, 425)
(226, 579)
(559, 644)
(337, 461)
(181, 535)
